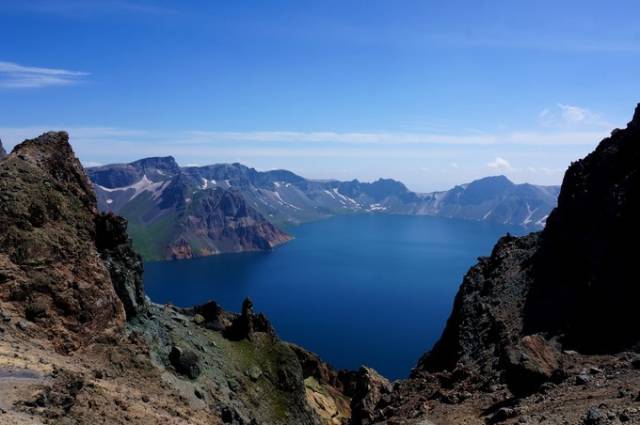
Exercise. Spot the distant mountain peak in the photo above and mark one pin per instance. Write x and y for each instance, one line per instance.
(167, 163)
(500, 178)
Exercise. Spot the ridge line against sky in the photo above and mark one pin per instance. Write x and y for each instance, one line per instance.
(429, 93)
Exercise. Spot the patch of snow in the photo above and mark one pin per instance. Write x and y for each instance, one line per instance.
(377, 207)
(142, 185)
(530, 212)
(285, 203)
(330, 194)
(344, 199)
(109, 201)
(543, 220)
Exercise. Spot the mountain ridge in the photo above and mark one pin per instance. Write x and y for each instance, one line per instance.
(283, 198)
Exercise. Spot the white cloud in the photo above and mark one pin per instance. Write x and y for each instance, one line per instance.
(500, 164)
(454, 165)
(13, 75)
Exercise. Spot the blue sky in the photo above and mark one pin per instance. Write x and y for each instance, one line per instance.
(433, 93)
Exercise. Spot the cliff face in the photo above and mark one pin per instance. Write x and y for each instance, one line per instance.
(3, 153)
(172, 216)
(218, 221)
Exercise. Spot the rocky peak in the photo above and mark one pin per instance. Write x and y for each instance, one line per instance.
(52, 272)
(52, 153)
(165, 164)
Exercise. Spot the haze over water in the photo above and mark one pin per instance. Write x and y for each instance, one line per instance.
(370, 289)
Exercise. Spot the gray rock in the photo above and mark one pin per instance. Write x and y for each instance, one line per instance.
(583, 379)
(185, 362)
(254, 373)
(594, 416)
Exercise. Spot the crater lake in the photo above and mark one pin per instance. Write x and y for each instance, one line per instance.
(371, 290)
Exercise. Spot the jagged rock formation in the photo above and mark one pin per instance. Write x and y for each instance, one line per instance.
(3, 153)
(545, 313)
(79, 343)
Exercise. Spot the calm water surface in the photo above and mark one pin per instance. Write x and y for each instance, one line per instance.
(371, 289)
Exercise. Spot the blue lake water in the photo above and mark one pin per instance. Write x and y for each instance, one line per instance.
(370, 289)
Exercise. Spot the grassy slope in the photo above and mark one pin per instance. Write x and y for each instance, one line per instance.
(149, 239)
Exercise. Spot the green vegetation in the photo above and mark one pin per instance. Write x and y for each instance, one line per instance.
(149, 239)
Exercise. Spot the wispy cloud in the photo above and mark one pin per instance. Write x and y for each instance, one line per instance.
(15, 76)
(293, 141)
(571, 116)
(400, 138)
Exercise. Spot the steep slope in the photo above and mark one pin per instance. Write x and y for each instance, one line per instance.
(3, 153)
(546, 314)
(172, 218)
(80, 343)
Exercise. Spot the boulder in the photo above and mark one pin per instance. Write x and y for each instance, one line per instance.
(185, 362)
(530, 364)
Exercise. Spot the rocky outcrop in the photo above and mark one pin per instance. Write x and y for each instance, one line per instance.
(49, 262)
(124, 264)
(370, 389)
(248, 323)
